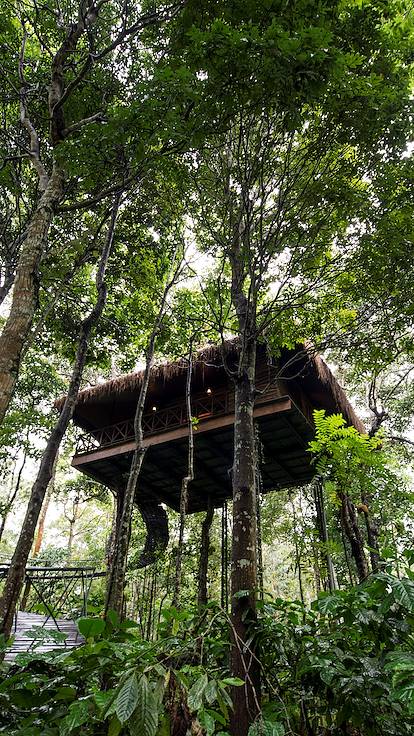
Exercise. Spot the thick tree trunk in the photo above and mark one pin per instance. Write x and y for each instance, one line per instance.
(349, 521)
(15, 577)
(202, 597)
(26, 288)
(246, 699)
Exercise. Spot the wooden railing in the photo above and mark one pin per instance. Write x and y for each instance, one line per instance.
(155, 422)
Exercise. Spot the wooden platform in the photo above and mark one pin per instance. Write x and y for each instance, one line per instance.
(26, 621)
(285, 462)
(287, 392)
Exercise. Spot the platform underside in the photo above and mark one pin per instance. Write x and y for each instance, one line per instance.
(285, 461)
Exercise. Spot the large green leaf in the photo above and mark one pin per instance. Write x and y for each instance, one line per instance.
(403, 591)
(77, 716)
(195, 695)
(144, 720)
(91, 627)
(127, 699)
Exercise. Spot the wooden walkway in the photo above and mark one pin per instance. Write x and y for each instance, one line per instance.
(26, 621)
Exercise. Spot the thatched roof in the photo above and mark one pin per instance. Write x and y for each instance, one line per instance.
(301, 366)
(162, 373)
(328, 380)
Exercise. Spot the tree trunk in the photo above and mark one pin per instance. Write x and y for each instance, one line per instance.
(184, 486)
(118, 564)
(45, 507)
(246, 700)
(13, 496)
(372, 534)
(202, 597)
(15, 577)
(224, 559)
(39, 535)
(26, 288)
(349, 521)
(323, 533)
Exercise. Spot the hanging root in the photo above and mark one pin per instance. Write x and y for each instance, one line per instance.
(156, 520)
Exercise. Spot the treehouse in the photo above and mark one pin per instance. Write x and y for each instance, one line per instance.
(288, 391)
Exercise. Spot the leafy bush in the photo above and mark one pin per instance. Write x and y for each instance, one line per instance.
(343, 666)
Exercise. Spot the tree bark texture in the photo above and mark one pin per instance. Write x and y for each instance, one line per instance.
(51, 188)
(246, 700)
(25, 291)
(15, 577)
(349, 521)
(372, 533)
(202, 597)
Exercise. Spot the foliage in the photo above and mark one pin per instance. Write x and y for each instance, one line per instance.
(330, 666)
(345, 662)
(119, 679)
(349, 461)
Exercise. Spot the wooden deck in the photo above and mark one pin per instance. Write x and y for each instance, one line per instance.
(26, 621)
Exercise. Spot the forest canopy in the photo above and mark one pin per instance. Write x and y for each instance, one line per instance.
(206, 361)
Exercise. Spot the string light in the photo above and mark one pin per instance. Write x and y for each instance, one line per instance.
(209, 390)
(154, 408)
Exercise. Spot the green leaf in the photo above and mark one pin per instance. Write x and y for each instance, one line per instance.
(66, 693)
(403, 591)
(91, 627)
(207, 722)
(144, 720)
(405, 693)
(115, 726)
(195, 695)
(210, 692)
(266, 728)
(127, 699)
(233, 681)
(77, 716)
(165, 726)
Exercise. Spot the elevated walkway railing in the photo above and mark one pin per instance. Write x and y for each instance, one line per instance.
(156, 421)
